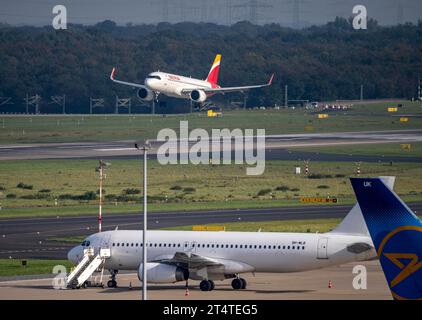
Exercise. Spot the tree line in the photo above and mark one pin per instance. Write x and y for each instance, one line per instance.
(318, 63)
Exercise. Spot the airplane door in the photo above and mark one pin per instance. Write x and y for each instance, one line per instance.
(105, 241)
(322, 248)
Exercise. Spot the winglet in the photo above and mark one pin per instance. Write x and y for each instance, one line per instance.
(271, 79)
(112, 74)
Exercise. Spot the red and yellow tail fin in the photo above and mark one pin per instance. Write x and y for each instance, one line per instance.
(213, 74)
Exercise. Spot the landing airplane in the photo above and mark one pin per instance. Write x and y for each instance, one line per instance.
(397, 234)
(182, 87)
(209, 256)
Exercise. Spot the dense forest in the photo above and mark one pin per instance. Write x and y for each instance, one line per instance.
(317, 63)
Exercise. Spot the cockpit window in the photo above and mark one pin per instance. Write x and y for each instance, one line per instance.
(85, 243)
(153, 77)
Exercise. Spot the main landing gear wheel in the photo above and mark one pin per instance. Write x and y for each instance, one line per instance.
(207, 285)
(112, 283)
(239, 283)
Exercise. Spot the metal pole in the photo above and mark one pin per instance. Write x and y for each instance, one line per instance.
(361, 92)
(285, 96)
(27, 104)
(100, 213)
(64, 104)
(144, 233)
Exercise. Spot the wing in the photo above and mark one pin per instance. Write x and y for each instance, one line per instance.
(136, 85)
(229, 89)
(188, 260)
(194, 262)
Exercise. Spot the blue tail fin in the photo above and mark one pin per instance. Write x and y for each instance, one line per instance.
(396, 233)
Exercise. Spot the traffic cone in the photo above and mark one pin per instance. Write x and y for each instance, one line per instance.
(330, 284)
(186, 291)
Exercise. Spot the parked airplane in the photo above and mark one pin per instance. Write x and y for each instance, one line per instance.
(182, 87)
(397, 235)
(208, 256)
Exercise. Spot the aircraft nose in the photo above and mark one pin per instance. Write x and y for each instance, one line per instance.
(74, 255)
(148, 82)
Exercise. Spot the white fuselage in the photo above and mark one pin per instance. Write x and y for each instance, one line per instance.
(172, 85)
(262, 251)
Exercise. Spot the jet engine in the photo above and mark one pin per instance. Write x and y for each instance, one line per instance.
(163, 273)
(198, 96)
(145, 94)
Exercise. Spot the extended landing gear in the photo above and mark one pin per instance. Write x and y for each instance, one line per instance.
(239, 284)
(112, 283)
(207, 285)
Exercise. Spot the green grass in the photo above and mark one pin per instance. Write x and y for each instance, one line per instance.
(320, 225)
(372, 149)
(13, 267)
(75, 239)
(30, 129)
(216, 187)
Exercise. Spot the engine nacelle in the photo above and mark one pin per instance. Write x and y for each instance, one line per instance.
(145, 94)
(198, 96)
(163, 273)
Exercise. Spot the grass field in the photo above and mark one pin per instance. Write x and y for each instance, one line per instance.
(30, 188)
(37, 129)
(13, 267)
(378, 149)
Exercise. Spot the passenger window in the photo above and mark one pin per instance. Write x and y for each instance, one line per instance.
(288, 247)
(235, 246)
(113, 244)
(159, 245)
(259, 246)
(284, 247)
(178, 245)
(303, 248)
(231, 246)
(254, 246)
(212, 246)
(293, 247)
(265, 247)
(131, 244)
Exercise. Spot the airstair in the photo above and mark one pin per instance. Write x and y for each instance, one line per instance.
(86, 267)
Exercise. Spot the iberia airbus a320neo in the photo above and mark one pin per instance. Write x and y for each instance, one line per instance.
(183, 87)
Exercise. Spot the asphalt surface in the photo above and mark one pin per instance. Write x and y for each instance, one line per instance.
(29, 237)
(276, 146)
(309, 285)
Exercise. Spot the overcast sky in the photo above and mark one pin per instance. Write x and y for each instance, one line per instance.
(285, 12)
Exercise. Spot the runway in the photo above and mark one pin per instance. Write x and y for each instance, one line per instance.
(310, 285)
(29, 237)
(276, 146)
